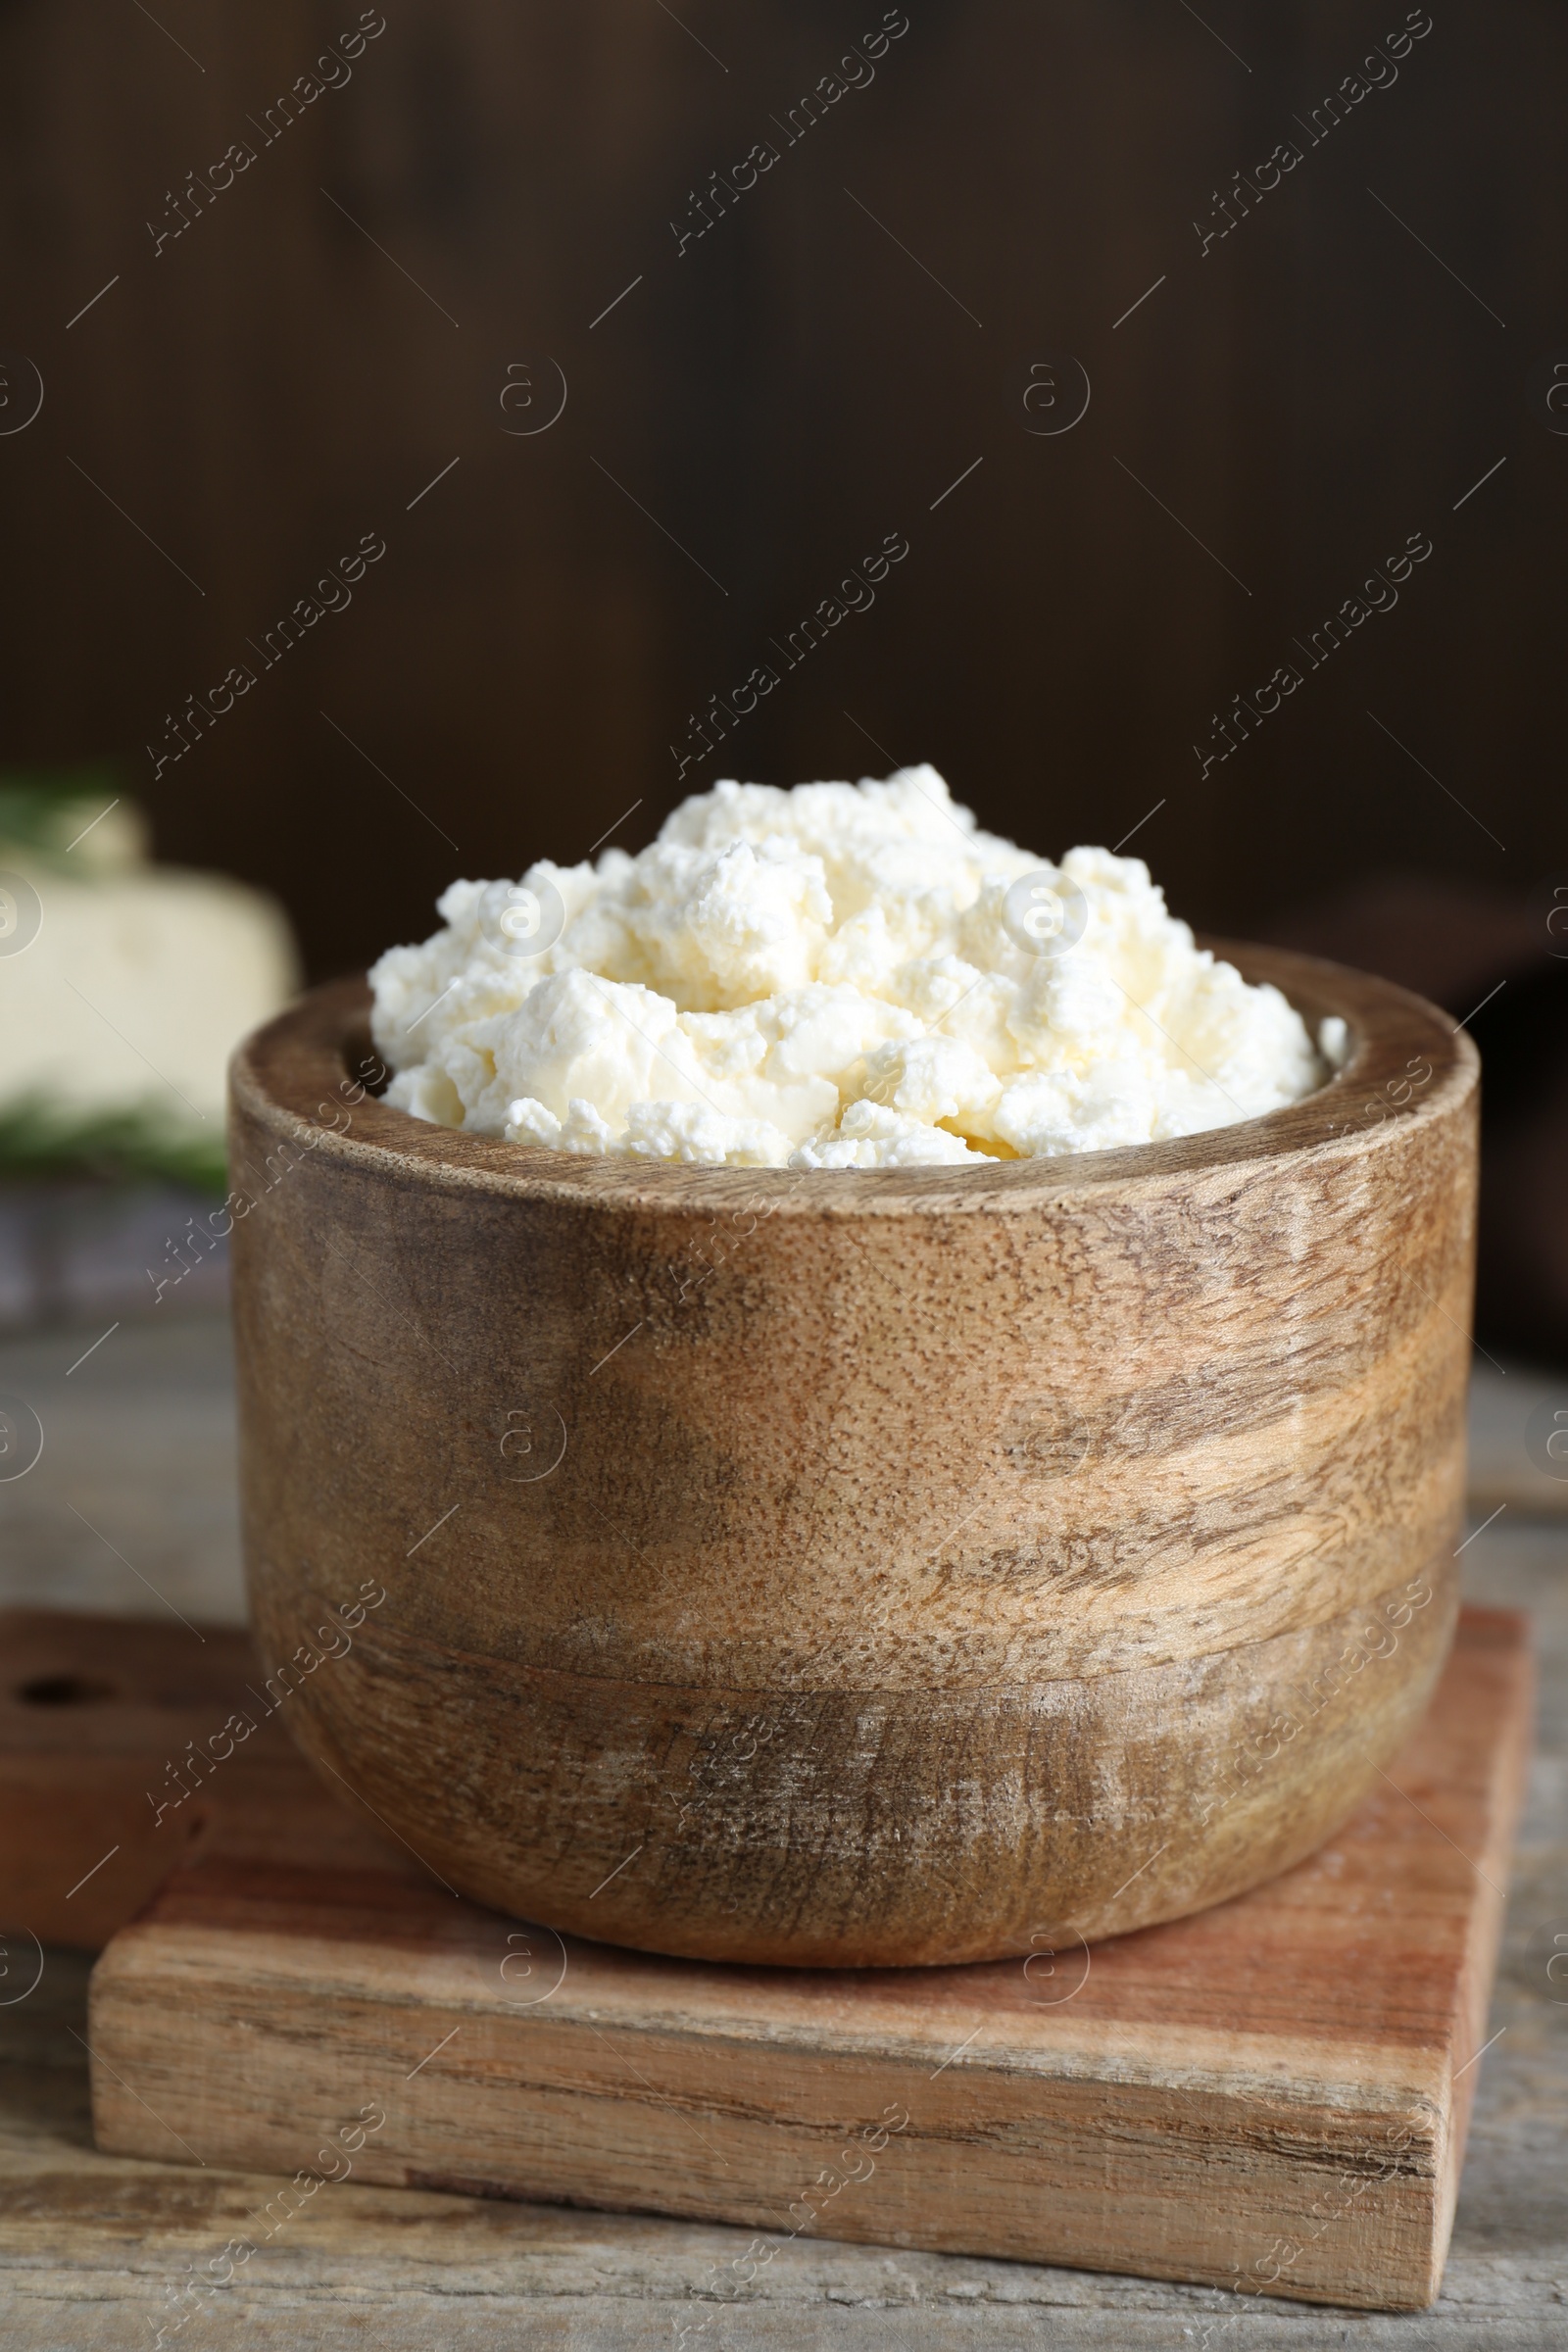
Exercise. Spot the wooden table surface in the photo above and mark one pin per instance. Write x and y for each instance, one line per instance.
(139, 1440)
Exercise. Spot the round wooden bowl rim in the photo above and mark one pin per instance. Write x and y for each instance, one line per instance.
(290, 1073)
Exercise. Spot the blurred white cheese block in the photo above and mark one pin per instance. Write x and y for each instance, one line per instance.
(136, 988)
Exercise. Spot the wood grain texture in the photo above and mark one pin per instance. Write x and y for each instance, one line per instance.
(91, 2244)
(782, 396)
(868, 1568)
(120, 1760)
(1272, 2095)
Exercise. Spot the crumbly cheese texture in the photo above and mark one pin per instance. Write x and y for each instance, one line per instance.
(829, 977)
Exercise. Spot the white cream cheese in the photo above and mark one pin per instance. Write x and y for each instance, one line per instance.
(136, 984)
(839, 976)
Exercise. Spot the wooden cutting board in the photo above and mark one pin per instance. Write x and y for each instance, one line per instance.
(99, 1798)
(1271, 2096)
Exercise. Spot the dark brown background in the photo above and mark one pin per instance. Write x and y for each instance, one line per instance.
(1305, 397)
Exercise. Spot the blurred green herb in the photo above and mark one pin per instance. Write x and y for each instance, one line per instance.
(41, 809)
(38, 1139)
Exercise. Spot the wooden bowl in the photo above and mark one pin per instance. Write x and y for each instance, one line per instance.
(857, 1568)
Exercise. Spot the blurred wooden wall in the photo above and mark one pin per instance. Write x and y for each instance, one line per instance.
(779, 396)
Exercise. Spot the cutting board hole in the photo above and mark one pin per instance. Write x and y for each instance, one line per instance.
(65, 1690)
